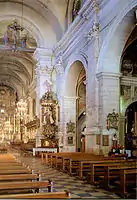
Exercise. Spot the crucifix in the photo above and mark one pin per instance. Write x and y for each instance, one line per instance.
(15, 28)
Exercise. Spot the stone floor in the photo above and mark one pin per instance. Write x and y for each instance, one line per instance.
(62, 181)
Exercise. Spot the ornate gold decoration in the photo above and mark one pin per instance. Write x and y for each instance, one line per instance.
(49, 117)
(112, 120)
(33, 124)
(49, 96)
(70, 127)
(49, 131)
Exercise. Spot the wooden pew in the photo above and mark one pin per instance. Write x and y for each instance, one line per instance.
(12, 167)
(125, 179)
(26, 185)
(20, 177)
(113, 172)
(6, 156)
(52, 158)
(12, 164)
(85, 165)
(72, 161)
(97, 169)
(16, 171)
(51, 195)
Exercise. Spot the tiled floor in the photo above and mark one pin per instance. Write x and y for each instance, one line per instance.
(62, 181)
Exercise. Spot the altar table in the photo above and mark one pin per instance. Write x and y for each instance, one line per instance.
(44, 149)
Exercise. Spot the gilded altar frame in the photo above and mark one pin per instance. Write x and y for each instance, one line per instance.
(112, 120)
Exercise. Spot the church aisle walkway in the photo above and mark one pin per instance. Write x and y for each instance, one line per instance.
(62, 181)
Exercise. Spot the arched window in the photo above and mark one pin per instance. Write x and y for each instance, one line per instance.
(76, 7)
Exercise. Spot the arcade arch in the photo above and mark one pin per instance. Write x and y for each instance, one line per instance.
(75, 91)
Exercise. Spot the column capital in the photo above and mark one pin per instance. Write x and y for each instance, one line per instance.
(44, 57)
(44, 69)
(42, 52)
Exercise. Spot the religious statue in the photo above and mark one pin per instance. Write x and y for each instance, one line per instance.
(48, 119)
(48, 85)
(15, 28)
(115, 140)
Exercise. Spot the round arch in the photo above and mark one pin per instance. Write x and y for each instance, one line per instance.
(126, 105)
(118, 26)
(73, 59)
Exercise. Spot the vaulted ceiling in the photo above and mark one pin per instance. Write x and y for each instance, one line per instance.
(44, 23)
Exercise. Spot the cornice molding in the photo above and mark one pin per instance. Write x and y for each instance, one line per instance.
(75, 32)
(127, 79)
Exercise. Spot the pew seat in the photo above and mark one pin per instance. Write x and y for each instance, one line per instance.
(51, 195)
(19, 177)
(6, 186)
(15, 171)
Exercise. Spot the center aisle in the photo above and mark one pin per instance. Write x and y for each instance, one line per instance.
(62, 181)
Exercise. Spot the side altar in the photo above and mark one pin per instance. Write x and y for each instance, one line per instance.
(49, 120)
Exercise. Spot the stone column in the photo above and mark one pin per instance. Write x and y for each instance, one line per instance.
(92, 128)
(43, 76)
(69, 115)
(109, 100)
(60, 83)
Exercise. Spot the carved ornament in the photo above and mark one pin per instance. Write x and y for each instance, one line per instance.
(49, 97)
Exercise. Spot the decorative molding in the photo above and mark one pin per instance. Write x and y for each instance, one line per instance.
(109, 75)
(93, 32)
(73, 37)
(59, 69)
(42, 52)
